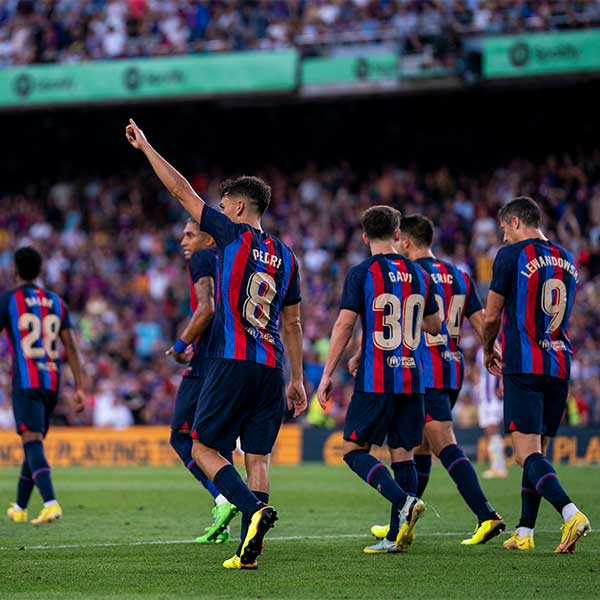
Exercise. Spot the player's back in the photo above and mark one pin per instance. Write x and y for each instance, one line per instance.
(456, 297)
(33, 318)
(538, 280)
(259, 277)
(390, 294)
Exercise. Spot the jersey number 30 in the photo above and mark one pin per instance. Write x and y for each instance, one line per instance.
(401, 322)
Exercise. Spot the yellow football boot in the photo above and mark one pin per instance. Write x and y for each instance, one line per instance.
(48, 514)
(380, 531)
(576, 527)
(485, 531)
(412, 511)
(514, 542)
(236, 563)
(17, 515)
(262, 520)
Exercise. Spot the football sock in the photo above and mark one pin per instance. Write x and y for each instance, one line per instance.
(405, 475)
(40, 469)
(232, 486)
(530, 503)
(568, 511)
(182, 444)
(496, 452)
(25, 485)
(523, 531)
(461, 470)
(264, 498)
(545, 481)
(376, 474)
(423, 464)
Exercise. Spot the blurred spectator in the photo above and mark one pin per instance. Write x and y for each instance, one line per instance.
(63, 31)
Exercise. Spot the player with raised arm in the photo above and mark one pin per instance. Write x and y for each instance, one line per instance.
(35, 319)
(393, 298)
(243, 395)
(200, 252)
(443, 372)
(533, 284)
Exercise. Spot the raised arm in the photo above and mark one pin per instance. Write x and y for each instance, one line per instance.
(340, 336)
(172, 179)
(74, 360)
(292, 332)
(491, 327)
(205, 294)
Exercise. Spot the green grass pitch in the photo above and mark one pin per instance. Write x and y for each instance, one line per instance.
(127, 533)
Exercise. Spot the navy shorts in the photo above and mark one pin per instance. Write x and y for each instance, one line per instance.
(534, 403)
(33, 408)
(373, 417)
(439, 404)
(240, 399)
(186, 402)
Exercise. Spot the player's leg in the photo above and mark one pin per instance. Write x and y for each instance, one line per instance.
(184, 412)
(37, 407)
(534, 405)
(495, 448)
(258, 433)
(423, 466)
(404, 416)
(17, 511)
(442, 441)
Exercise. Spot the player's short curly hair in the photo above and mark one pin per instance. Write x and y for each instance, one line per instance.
(252, 188)
(524, 208)
(380, 222)
(28, 262)
(419, 228)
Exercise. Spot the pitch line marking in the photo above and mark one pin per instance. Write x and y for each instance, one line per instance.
(284, 538)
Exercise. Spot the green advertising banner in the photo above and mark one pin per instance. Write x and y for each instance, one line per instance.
(345, 69)
(541, 53)
(102, 81)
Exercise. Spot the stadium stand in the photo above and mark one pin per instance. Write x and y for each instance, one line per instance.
(122, 276)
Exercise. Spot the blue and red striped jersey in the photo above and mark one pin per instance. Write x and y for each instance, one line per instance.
(258, 278)
(33, 319)
(538, 280)
(392, 295)
(204, 263)
(456, 298)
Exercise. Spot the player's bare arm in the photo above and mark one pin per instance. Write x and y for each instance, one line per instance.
(292, 332)
(172, 179)
(200, 320)
(432, 324)
(74, 360)
(491, 327)
(340, 337)
(477, 320)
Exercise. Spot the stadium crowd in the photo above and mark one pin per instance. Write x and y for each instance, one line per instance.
(127, 287)
(46, 31)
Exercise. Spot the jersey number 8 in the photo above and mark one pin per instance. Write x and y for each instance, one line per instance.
(260, 291)
(401, 322)
(46, 329)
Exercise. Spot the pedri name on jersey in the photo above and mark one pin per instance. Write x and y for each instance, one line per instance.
(550, 261)
(268, 259)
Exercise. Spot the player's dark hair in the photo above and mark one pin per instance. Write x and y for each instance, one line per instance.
(192, 221)
(380, 222)
(525, 209)
(419, 229)
(28, 263)
(252, 188)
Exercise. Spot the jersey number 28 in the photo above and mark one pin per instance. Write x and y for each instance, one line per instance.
(46, 329)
